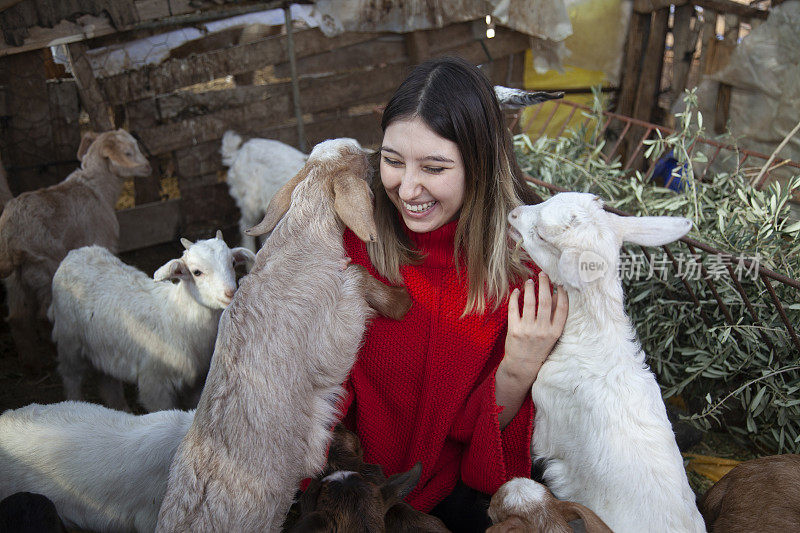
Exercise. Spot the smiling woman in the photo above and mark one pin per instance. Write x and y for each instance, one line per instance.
(448, 385)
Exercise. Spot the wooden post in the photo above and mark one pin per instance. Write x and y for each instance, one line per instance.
(684, 45)
(650, 80)
(637, 34)
(91, 95)
(298, 112)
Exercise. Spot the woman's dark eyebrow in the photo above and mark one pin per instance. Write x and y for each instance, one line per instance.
(439, 158)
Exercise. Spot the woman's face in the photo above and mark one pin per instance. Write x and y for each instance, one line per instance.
(423, 174)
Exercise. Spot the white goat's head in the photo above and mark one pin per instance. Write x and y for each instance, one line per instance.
(208, 269)
(119, 148)
(576, 242)
(342, 165)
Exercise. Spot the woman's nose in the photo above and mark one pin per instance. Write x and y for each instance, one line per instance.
(409, 186)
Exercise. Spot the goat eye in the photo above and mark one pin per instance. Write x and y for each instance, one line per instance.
(197, 272)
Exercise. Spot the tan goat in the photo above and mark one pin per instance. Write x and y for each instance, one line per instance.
(38, 228)
(285, 346)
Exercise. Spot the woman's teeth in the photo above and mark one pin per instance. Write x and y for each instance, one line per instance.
(419, 208)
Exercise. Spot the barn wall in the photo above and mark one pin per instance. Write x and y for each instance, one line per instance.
(180, 108)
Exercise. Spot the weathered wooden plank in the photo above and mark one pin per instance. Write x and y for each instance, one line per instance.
(384, 50)
(320, 94)
(148, 225)
(152, 80)
(28, 140)
(685, 44)
(94, 101)
(733, 8)
(64, 114)
(202, 159)
(417, 46)
(632, 66)
(142, 114)
(193, 131)
(506, 42)
(208, 207)
(650, 79)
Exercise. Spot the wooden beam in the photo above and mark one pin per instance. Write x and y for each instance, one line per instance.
(170, 75)
(148, 225)
(729, 7)
(94, 101)
(650, 6)
(152, 14)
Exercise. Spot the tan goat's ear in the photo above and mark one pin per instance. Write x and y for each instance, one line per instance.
(278, 205)
(352, 201)
(86, 141)
(114, 149)
(572, 511)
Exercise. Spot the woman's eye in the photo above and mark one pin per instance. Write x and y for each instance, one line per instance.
(434, 170)
(392, 162)
(197, 273)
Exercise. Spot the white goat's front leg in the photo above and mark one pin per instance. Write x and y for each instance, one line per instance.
(72, 368)
(112, 393)
(156, 392)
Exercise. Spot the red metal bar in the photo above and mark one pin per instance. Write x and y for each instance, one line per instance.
(635, 154)
(619, 140)
(708, 165)
(564, 126)
(550, 118)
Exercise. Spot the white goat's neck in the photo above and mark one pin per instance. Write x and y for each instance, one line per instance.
(95, 173)
(597, 317)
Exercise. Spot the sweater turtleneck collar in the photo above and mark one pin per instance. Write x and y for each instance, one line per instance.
(436, 245)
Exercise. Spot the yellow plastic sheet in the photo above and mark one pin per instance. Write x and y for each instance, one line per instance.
(711, 467)
(595, 53)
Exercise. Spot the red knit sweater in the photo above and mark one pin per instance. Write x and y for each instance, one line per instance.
(422, 388)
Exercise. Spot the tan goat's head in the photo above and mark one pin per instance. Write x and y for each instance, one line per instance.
(120, 148)
(343, 164)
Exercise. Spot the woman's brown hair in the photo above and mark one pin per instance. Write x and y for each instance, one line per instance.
(457, 102)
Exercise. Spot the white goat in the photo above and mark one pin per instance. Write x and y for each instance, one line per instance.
(105, 470)
(285, 346)
(522, 504)
(157, 334)
(38, 228)
(257, 169)
(601, 427)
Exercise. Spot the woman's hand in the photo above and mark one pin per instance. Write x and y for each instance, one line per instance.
(530, 339)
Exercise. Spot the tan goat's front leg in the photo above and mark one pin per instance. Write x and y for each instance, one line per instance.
(392, 302)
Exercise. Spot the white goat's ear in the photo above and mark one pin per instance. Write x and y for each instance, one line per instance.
(279, 204)
(400, 485)
(186, 243)
(569, 266)
(243, 256)
(652, 231)
(219, 235)
(174, 270)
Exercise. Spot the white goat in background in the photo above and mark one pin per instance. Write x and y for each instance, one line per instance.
(105, 470)
(285, 346)
(601, 427)
(158, 333)
(257, 169)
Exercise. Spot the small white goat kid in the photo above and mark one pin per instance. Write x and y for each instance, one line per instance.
(601, 426)
(285, 346)
(257, 169)
(105, 470)
(157, 334)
